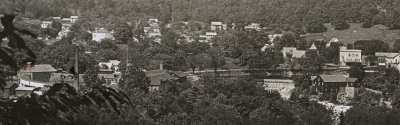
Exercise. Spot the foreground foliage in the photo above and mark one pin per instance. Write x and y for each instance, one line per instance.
(55, 106)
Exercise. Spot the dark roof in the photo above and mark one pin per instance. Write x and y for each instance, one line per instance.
(39, 68)
(157, 76)
(351, 79)
(106, 76)
(335, 78)
(179, 73)
(388, 55)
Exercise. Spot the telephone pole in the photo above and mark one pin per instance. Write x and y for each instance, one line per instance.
(76, 66)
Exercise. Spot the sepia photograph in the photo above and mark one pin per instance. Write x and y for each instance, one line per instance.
(200, 62)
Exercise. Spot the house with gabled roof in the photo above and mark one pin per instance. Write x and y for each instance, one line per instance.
(339, 84)
(388, 58)
(333, 40)
(157, 77)
(38, 72)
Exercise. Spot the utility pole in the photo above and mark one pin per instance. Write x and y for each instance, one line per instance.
(76, 66)
(127, 54)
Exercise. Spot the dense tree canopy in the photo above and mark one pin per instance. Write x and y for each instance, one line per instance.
(242, 12)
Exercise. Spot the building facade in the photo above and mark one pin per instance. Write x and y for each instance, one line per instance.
(347, 57)
(388, 58)
(101, 34)
(218, 26)
(335, 84)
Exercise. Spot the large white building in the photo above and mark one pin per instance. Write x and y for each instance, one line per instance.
(101, 34)
(347, 56)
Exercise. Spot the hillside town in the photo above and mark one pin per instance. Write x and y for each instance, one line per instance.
(186, 62)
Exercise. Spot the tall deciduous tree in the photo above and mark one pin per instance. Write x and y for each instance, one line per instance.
(133, 77)
(90, 77)
(313, 62)
(123, 33)
(314, 23)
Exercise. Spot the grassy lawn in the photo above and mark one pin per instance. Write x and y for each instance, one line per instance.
(355, 32)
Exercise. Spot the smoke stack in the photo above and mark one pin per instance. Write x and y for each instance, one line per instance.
(161, 66)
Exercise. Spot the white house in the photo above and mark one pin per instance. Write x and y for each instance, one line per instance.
(46, 24)
(67, 20)
(111, 65)
(203, 38)
(210, 35)
(390, 58)
(62, 33)
(74, 19)
(154, 34)
(254, 26)
(347, 56)
(207, 37)
(66, 26)
(218, 26)
(153, 20)
(333, 40)
(65, 29)
(101, 34)
(56, 18)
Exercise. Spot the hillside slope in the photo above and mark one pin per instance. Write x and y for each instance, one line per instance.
(355, 32)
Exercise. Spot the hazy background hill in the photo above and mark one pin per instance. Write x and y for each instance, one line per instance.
(266, 12)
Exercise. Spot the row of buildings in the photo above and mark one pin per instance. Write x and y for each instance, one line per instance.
(65, 22)
(347, 56)
(343, 86)
(219, 26)
(216, 26)
(98, 34)
(153, 30)
(40, 77)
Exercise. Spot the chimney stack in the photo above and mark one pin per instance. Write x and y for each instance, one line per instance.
(161, 66)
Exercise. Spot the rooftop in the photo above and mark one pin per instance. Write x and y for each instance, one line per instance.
(24, 88)
(385, 54)
(39, 68)
(102, 30)
(156, 76)
(313, 47)
(335, 78)
(216, 23)
(293, 50)
(211, 33)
